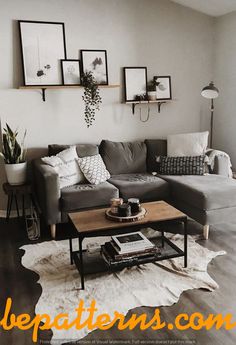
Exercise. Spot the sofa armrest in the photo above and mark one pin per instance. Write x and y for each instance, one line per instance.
(219, 163)
(221, 166)
(47, 190)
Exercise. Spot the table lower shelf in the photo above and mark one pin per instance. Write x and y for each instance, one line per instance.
(94, 263)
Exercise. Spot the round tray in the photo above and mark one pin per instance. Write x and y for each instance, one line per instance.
(135, 217)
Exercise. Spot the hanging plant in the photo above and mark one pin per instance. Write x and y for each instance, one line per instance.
(91, 97)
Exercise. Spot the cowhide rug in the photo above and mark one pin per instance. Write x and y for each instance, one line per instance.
(152, 285)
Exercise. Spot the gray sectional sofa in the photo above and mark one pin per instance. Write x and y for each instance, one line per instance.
(208, 199)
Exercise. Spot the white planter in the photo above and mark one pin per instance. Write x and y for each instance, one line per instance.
(16, 173)
(152, 95)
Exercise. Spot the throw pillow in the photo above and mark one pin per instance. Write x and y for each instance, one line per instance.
(190, 144)
(66, 166)
(182, 165)
(94, 169)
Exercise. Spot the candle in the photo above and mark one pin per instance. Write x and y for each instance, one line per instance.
(124, 210)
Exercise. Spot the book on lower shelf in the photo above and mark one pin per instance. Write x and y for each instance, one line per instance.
(128, 259)
(128, 243)
(116, 256)
(111, 250)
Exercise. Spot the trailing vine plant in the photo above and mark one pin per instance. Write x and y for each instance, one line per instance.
(91, 97)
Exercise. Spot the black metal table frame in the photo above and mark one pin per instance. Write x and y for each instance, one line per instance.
(123, 229)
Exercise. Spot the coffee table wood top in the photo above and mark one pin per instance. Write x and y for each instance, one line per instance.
(95, 220)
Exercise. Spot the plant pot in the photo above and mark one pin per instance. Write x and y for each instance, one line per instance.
(16, 173)
(152, 95)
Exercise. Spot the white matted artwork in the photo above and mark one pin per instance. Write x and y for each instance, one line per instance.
(163, 89)
(70, 72)
(135, 79)
(43, 46)
(95, 61)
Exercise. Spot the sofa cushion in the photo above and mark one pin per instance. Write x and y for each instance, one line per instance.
(86, 195)
(145, 186)
(155, 148)
(124, 158)
(83, 150)
(209, 192)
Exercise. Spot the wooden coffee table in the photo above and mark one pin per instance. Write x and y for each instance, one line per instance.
(93, 223)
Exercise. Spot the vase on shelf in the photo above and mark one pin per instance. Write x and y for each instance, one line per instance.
(152, 95)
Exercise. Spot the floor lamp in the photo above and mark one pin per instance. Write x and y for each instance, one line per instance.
(210, 92)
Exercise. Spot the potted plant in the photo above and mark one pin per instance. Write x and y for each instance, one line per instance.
(91, 97)
(151, 89)
(13, 154)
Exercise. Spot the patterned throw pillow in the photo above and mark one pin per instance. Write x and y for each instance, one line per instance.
(66, 166)
(94, 169)
(182, 165)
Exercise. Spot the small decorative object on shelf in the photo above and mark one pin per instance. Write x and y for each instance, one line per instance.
(13, 154)
(152, 89)
(91, 97)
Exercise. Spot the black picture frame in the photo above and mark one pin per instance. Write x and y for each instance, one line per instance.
(62, 54)
(141, 93)
(161, 94)
(75, 61)
(86, 56)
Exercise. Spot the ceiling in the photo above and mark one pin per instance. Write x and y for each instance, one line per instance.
(213, 8)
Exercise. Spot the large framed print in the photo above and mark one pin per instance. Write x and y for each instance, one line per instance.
(135, 79)
(163, 89)
(70, 72)
(43, 46)
(95, 61)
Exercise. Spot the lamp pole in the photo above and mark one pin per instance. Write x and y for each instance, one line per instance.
(210, 92)
(212, 120)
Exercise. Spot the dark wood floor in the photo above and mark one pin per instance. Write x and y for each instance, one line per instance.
(21, 285)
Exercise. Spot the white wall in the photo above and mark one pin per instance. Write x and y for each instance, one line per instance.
(167, 38)
(225, 79)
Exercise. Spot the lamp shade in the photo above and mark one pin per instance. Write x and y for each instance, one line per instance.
(210, 91)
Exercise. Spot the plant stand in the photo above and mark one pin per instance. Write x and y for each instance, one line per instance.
(14, 193)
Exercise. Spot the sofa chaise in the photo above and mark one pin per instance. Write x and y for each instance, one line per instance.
(208, 199)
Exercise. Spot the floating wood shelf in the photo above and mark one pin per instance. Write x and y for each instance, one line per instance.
(43, 88)
(158, 102)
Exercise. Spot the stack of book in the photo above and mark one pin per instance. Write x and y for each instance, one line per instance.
(128, 249)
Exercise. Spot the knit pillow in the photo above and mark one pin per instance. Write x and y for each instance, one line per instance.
(66, 166)
(182, 165)
(94, 169)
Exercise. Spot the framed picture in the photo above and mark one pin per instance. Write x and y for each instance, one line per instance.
(43, 46)
(135, 79)
(96, 62)
(70, 72)
(163, 89)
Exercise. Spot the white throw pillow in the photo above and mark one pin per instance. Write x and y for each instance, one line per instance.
(94, 169)
(190, 144)
(66, 166)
